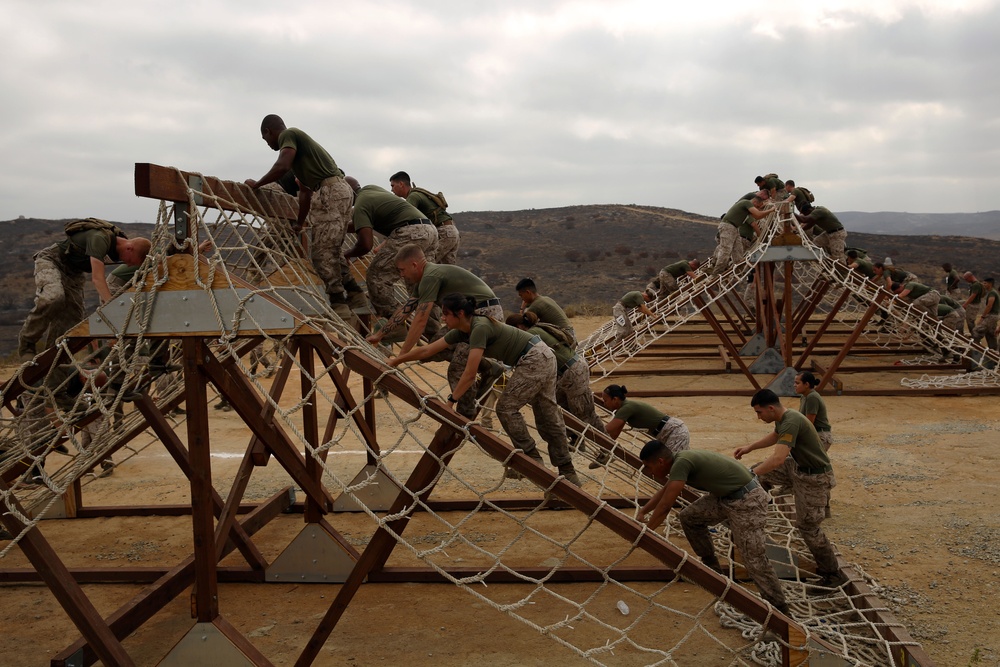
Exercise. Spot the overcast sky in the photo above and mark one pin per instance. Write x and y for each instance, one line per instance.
(874, 105)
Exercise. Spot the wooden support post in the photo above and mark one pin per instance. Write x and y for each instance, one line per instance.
(206, 593)
(858, 329)
(786, 349)
(310, 426)
(822, 328)
(733, 352)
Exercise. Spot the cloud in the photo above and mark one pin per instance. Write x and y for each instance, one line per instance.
(508, 106)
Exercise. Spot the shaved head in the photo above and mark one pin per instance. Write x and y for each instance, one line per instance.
(273, 123)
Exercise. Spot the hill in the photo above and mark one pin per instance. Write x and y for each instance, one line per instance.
(983, 225)
(585, 257)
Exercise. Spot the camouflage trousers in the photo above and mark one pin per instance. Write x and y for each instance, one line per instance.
(329, 214)
(957, 295)
(674, 435)
(728, 249)
(448, 240)
(987, 327)
(623, 323)
(971, 313)
(747, 519)
(382, 273)
(533, 382)
(666, 284)
(573, 394)
(58, 299)
(812, 496)
(928, 303)
(835, 244)
(955, 320)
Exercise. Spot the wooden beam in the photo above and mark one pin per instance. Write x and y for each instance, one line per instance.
(156, 182)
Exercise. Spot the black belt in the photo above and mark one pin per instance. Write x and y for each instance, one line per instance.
(535, 340)
(833, 231)
(418, 221)
(489, 302)
(572, 360)
(815, 471)
(822, 430)
(741, 492)
(659, 427)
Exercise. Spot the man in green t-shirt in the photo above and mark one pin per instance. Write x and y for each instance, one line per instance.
(324, 202)
(921, 296)
(974, 304)
(990, 312)
(622, 312)
(733, 495)
(860, 264)
(798, 196)
(832, 237)
(429, 283)
(729, 248)
(448, 236)
(665, 282)
(59, 281)
(951, 314)
(544, 307)
(378, 210)
(798, 461)
(952, 281)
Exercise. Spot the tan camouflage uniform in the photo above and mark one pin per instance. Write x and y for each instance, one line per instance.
(728, 249)
(971, 313)
(382, 273)
(928, 303)
(573, 394)
(955, 319)
(747, 519)
(448, 240)
(675, 435)
(58, 298)
(987, 327)
(835, 244)
(812, 497)
(533, 382)
(329, 215)
(623, 323)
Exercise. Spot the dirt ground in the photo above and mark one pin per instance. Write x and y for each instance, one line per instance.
(915, 507)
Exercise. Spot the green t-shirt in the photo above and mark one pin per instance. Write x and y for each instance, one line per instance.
(746, 230)
(976, 291)
(738, 212)
(311, 164)
(917, 290)
(825, 219)
(639, 415)
(633, 300)
(774, 183)
(440, 280)
(124, 272)
(952, 280)
(678, 269)
(799, 435)
(496, 339)
(426, 205)
(562, 351)
(379, 209)
(78, 248)
(709, 471)
(996, 302)
(864, 267)
(812, 404)
(800, 198)
(944, 309)
(750, 195)
(896, 275)
(548, 311)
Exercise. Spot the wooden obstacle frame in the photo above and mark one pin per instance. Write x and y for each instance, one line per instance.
(220, 527)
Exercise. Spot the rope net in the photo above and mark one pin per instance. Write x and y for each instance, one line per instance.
(59, 425)
(899, 325)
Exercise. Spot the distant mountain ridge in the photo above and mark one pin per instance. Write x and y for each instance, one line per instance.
(984, 225)
(579, 255)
